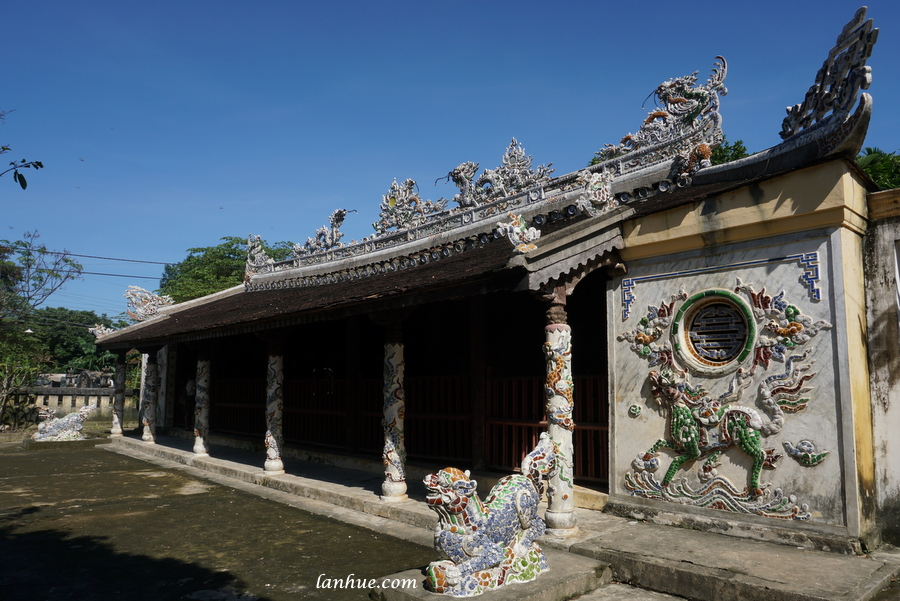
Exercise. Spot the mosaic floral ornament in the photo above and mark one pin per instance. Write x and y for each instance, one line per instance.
(519, 234)
(69, 427)
(513, 176)
(786, 328)
(650, 330)
(489, 544)
(805, 453)
(402, 208)
(598, 197)
(704, 426)
(327, 237)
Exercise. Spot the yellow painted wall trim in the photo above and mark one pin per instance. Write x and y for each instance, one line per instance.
(884, 204)
(827, 195)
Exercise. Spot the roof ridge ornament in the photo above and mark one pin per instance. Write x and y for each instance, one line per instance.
(685, 107)
(326, 237)
(514, 175)
(843, 74)
(144, 305)
(402, 208)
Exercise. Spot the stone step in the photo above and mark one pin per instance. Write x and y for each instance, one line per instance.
(694, 564)
(569, 577)
(710, 567)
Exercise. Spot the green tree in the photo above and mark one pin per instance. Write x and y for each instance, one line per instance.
(882, 167)
(69, 343)
(210, 269)
(29, 274)
(18, 177)
(727, 152)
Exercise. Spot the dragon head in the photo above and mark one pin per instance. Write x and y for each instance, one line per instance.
(451, 488)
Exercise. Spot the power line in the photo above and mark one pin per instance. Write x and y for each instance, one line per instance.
(118, 275)
(57, 252)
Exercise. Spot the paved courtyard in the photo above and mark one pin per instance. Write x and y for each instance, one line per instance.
(78, 522)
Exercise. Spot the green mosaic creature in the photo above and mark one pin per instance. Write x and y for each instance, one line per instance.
(701, 426)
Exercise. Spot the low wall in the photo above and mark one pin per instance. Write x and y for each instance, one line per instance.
(67, 400)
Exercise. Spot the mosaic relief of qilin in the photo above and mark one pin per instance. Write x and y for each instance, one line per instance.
(756, 343)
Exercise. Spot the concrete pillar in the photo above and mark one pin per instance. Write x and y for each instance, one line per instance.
(148, 399)
(201, 412)
(394, 455)
(274, 409)
(118, 408)
(560, 516)
(162, 398)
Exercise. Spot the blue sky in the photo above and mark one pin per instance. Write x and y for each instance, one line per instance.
(168, 125)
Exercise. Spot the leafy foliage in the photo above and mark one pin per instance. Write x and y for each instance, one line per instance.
(209, 269)
(69, 344)
(882, 167)
(18, 177)
(29, 274)
(727, 152)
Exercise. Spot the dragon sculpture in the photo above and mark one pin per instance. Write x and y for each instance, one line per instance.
(704, 426)
(685, 107)
(513, 176)
(491, 543)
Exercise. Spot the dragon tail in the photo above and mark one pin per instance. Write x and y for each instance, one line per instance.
(541, 463)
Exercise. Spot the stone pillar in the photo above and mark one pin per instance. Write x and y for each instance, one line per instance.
(394, 455)
(162, 371)
(274, 408)
(148, 398)
(201, 411)
(118, 408)
(560, 516)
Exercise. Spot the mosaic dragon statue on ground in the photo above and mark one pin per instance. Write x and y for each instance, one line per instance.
(491, 543)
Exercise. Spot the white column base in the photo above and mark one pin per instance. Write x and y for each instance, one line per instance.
(561, 523)
(274, 467)
(393, 499)
(200, 448)
(393, 491)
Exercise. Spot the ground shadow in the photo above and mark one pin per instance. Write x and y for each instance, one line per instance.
(52, 564)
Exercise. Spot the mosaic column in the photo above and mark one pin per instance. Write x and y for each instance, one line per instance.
(201, 411)
(118, 409)
(394, 455)
(274, 409)
(149, 397)
(560, 516)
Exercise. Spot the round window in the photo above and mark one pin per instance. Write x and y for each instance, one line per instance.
(714, 332)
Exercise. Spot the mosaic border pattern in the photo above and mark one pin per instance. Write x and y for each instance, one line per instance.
(808, 261)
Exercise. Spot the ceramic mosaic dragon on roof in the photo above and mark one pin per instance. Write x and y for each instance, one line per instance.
(669, 151)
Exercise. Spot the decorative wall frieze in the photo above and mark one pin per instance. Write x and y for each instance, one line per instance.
(808, 261)
(718, 335)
